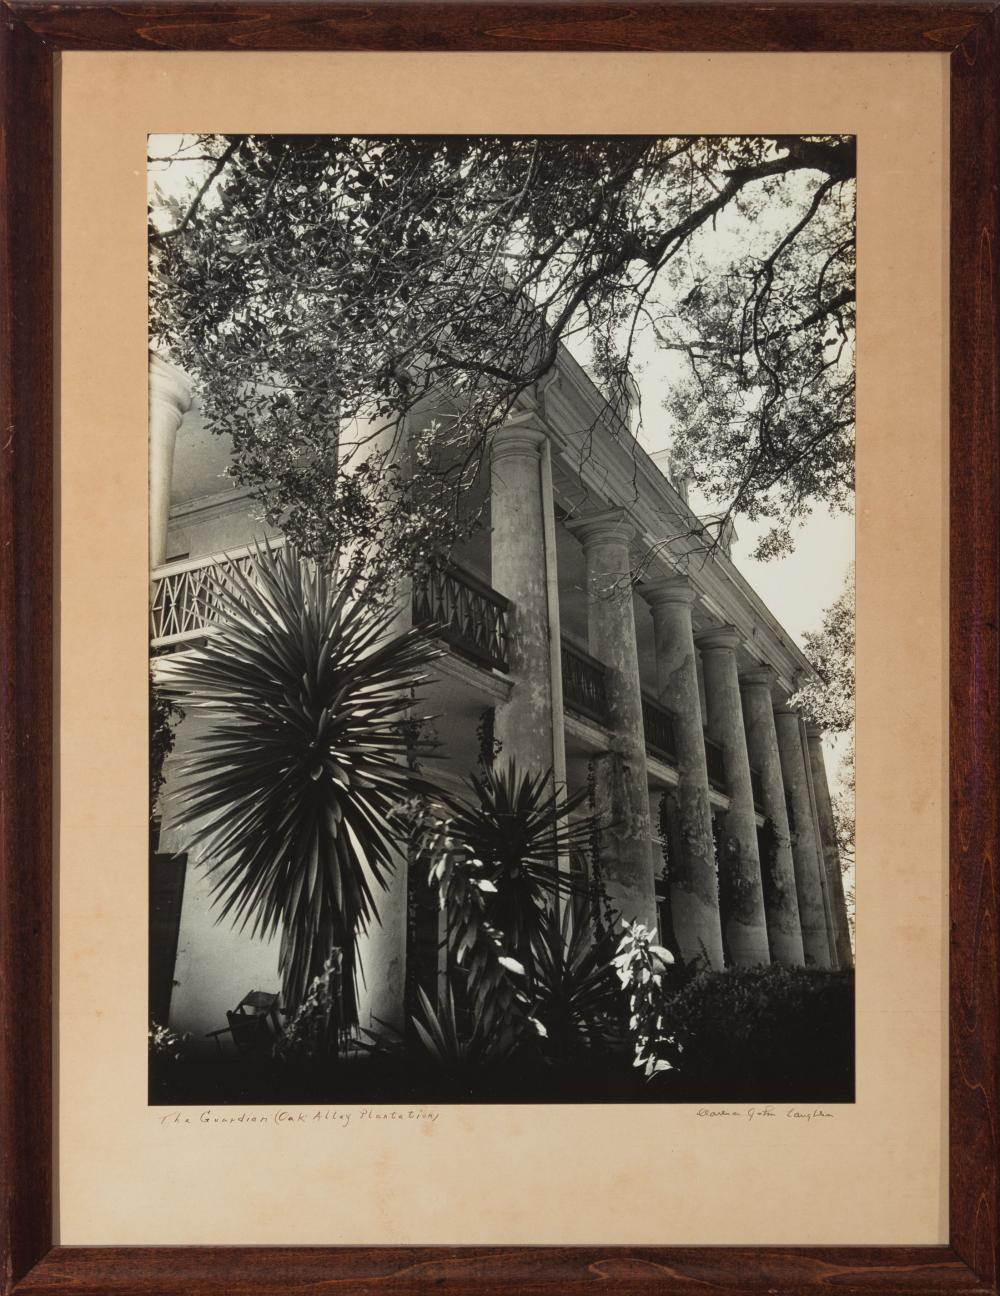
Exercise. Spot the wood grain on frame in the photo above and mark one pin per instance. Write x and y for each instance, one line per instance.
(26, 656)
(31, 36)
(416, 25)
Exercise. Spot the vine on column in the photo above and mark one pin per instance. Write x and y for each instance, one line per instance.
(663, 832)
(600, 906)
(490, 745)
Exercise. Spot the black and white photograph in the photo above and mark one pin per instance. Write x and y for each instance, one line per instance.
(501, 546)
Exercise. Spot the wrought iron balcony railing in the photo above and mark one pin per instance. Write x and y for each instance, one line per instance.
(585, 691)
(185, 595)
(716, 765)
(584, 687)
(464, 611)
(658, 724)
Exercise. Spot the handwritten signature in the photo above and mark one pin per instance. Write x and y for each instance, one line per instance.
(766, 1113)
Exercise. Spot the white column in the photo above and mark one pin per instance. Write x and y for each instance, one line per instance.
(831, 939)
(382, 950)
(620, 773)
(694, 882)
(524, 724)
(808, 886)
(741, 888)
(828, 841)
(169, 400)
(784, 929)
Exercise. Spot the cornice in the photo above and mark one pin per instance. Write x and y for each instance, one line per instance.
(204, 507)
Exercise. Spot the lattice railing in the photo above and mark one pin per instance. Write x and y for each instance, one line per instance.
(584, 688)
(185, 595)
(465, 611)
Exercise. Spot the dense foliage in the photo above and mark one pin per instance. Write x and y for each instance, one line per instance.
(773, 1034)
(573, 987)
(828, 699)
(164, 715)
(515, 824)
(322, 290)
(641, 965)
(481, 967)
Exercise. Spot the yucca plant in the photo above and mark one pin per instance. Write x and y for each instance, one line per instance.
(455, 1053)
(575, 990)
(307, 694)
(517, 825)
(493, 981)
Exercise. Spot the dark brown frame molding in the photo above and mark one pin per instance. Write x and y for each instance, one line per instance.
(31, 36)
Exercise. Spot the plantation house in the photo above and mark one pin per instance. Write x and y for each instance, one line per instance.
(587, 623)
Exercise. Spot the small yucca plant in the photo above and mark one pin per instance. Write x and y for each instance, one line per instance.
(575, 991)
(517, 825)
(307, 694)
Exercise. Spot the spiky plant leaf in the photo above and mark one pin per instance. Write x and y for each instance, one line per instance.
(456, 1054)
(516, 823)
(306, 692)
(575, 991)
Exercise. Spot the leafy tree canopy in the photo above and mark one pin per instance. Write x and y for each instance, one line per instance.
(307, 282)
(828, 698)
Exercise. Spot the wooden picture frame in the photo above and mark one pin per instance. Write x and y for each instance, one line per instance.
(31, 37)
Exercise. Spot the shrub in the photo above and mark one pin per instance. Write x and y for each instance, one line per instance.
(771, 1034)
(574, 990)
(311, 1031)
(516, 823)
(641, 965)
(166, 1044)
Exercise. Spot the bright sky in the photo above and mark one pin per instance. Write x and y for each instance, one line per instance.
(797, 588)
(800, 587)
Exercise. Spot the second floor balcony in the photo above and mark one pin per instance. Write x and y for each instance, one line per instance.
(185, 595)
(583, 679)
(453, 603)
(585, 693)
(464, 611)
(457, 606)
(658, 725)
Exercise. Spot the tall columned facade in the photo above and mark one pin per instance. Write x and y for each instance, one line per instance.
(667, 689)
(802, 834)
(831, 853)
(694, 883)
(781, 903)
(620, 776)
(519, 572)
(741, 887)
(383, 948)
